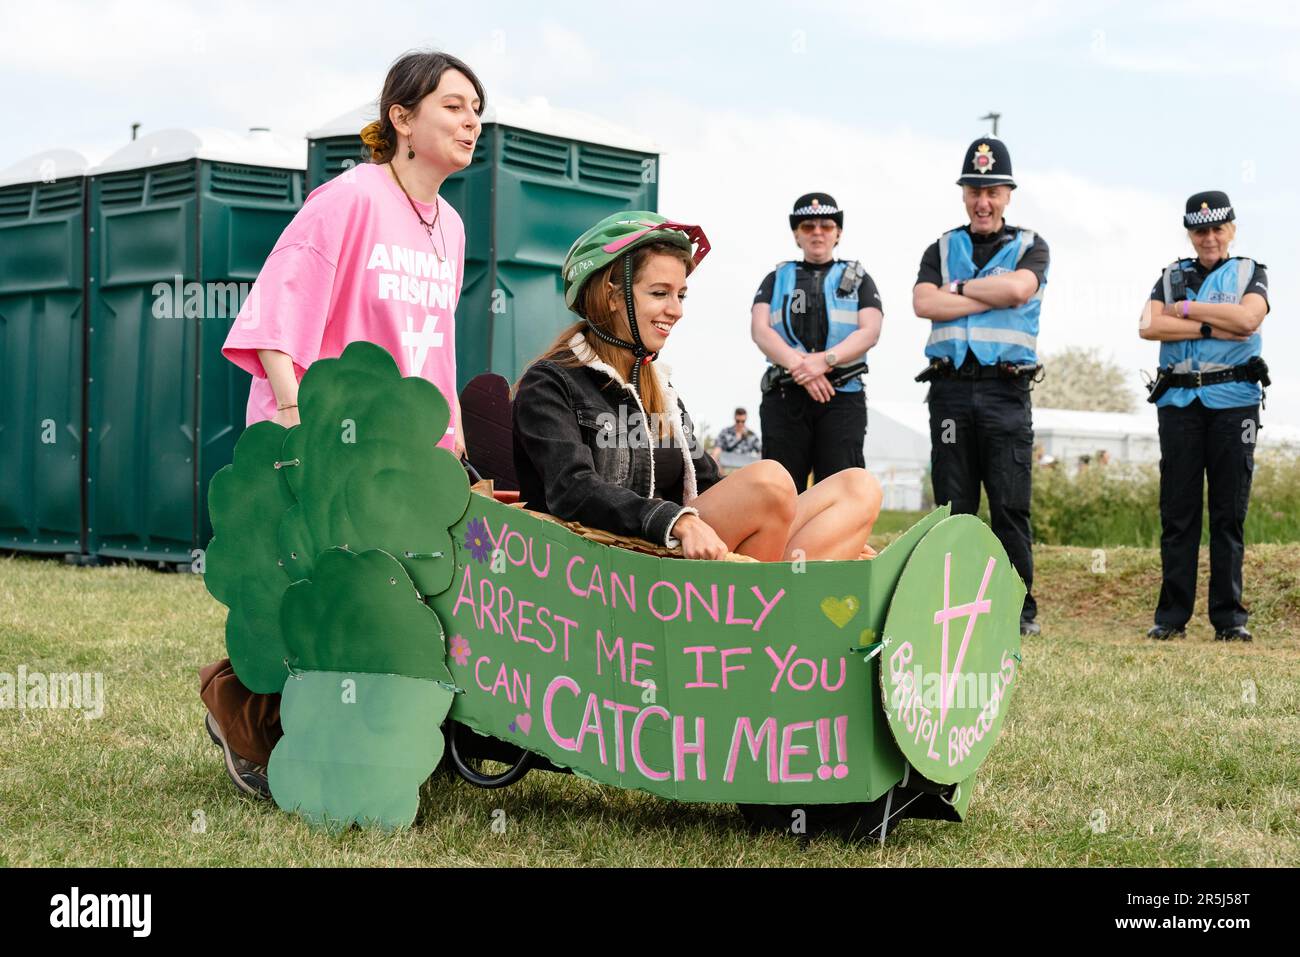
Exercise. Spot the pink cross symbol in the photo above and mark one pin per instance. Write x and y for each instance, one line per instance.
(970, 611)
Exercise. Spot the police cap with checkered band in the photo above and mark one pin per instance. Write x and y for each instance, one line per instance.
(1208, 209)
(816, 206)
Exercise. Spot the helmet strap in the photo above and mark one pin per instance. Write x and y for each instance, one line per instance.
(636, 346)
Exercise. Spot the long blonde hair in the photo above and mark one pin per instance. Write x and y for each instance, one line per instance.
(593, 303)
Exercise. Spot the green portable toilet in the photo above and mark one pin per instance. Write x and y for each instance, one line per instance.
(181, 222)
(42, 349)
(540, 176)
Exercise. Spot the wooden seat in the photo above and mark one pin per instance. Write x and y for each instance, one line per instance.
(489, 436)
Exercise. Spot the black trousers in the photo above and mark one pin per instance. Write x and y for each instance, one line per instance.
(805, 435)
(1196, 442)
(981, 431)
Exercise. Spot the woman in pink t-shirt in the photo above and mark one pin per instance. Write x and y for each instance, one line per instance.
(375, 253)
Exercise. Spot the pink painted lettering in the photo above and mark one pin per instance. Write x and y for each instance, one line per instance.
(789, 750)
(682, 747)
(744, 731)
(558, 682)
(637, 759)
(698, 651)
(619, 710)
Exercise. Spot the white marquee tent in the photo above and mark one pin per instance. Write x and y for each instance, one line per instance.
(898, 442)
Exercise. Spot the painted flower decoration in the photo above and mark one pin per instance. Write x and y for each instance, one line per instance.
(460, 649)
(477, 541)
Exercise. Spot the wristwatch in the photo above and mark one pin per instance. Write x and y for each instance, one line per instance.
(961, 287)
(1206, 330)
(831, 358)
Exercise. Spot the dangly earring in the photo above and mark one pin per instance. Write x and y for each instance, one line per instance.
(410, 150)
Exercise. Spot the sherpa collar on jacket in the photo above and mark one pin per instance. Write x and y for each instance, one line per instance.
(587, 356)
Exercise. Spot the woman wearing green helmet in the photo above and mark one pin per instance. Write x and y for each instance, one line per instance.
(601, 437)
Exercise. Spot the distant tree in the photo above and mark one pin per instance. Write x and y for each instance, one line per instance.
(704, 434)
(1078, 378)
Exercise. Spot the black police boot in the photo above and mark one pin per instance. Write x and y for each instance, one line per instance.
(1235, 633)
(1165, 632)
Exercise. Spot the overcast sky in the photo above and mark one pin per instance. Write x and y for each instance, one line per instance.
(1114, 113)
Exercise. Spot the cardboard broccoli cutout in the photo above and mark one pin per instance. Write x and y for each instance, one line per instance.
(370, 689)
(366, 471)
(368, 694)
(243, 571)
(362, 471)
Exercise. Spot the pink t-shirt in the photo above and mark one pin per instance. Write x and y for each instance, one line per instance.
(356, 263)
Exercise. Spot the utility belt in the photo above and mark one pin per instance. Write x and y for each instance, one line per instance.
(1253, 370)
(776, 377)
(945, 368)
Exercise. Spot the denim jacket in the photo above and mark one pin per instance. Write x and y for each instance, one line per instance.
(582, 454)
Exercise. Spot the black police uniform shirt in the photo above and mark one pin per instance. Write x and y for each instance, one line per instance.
(810, 326)
(983, 248)
(1194, 279)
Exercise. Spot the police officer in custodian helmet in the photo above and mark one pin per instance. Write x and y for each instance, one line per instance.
(981, 287)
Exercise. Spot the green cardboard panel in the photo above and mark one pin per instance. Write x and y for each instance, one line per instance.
(952, 651)
(243, 569)
(699, 681)
(366, 470)
(357, 747)
(360, 613)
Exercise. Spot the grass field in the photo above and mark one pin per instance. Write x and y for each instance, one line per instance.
(1117, 751)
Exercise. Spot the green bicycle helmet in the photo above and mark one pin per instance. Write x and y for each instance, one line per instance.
(614, 236)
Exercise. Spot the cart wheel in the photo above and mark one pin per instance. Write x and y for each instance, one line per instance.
(502, 764)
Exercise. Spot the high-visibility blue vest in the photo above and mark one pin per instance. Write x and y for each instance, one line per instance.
(995, 335)
(1227, 283)
(841, 311)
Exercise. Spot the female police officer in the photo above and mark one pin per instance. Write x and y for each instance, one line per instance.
(815, 321)
(1205, 313)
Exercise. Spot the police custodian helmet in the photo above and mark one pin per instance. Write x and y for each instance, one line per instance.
(986, 162)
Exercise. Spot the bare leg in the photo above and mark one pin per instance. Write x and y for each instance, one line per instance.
(751, 510)
(834, 518)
